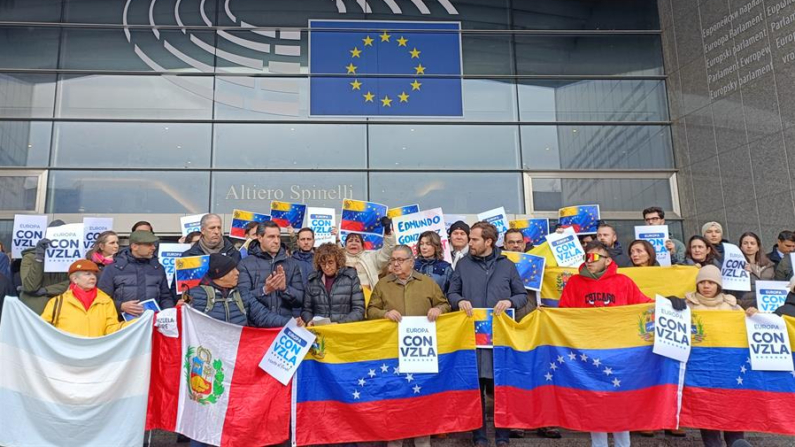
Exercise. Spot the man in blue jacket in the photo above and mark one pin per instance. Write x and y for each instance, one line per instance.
(486, 279)
(273, 278)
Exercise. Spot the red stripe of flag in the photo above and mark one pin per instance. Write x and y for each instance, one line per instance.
(284, 223)
(352, 225)
(737, 410)
(237, 232)
(164, 384)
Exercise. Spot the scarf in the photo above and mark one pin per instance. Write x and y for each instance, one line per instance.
(715, 301)
(587, 273)
(85, 297)
(99, 259)
(210, 250)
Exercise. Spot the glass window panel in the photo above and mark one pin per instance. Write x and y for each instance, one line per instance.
(279, 13)
(597, 147)
(110, 49)
(26, 95)
(483, 191)
(638, 55)
(278, 52)
(473, 14)
(18, 193)
(586, 14)
(29, 47)
(610, 194)
(487, 54)
(135, 145)
(133, 192)
(593, 100)
(30, 11)
(143, 97)
(254, 191)
(6, 234)
(112, 12)
(443, 147)
(25, 143)
(290, 146)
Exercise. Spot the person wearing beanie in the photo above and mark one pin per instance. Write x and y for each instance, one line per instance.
(217, 294)
(709, 292)
(458, 235)
(83, 309)
(37, 286)
(713, 233)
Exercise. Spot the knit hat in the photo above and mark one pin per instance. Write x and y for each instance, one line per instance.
(458, 225)
(83, 265)
(143, 237)
(710, 273)
(707, 226)
(220, 265)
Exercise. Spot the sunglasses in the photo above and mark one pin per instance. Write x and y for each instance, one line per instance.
(593, 257)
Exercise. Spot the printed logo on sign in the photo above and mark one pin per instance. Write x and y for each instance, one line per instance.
(205, 376)
(420, 344)
(772, 299)
(772, 343)
(646, 328)
(319, 216)
(287, 348)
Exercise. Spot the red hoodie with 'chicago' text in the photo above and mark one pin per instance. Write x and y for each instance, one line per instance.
(612, 289)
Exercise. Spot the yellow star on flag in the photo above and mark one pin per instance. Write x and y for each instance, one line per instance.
(415, 53)
(420, 69)
(355, 52)
(351, 69)
(403, 97)
(386, 102)
(368, 97)
(356, 84)
(402, 41)
(368, 41)
(415, 85)
(385, 37)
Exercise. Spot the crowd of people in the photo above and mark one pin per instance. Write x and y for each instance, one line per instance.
(265, 281)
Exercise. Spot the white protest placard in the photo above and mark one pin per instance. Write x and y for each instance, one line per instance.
(770, 295)
(167, 253)
(656, 235)
(287, 352)
(189, 224)
(768, 343)
(321, 221)
(28, 231)
(92, 228)
(64, 248)
(735, 276)
(671, 330)
(450, 219)
(566, 248)
(408, 229)
(499, 219)
(418, 351)
(166, 323)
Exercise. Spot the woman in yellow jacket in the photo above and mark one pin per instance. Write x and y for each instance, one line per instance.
(83, 309)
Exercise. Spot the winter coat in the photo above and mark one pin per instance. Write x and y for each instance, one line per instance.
(720, 250)
(618, 256)
(483, 281)
(458, 255)
(715, 261)
(415, 299)
(758, 273)
(305, 262)
(370, 262)
(130, 278)
(439, 270)
(611, 289)
(279, 306)
(788, 308)
(100, 318)
(33, 278)
(5, 265)
(721, 301)
(774, 257)
(345, 303)
(784, 269)
(6, 289)
(228, 250)
(224, 309)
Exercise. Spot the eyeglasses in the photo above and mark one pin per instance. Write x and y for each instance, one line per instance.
(398, 260)
(328, 262)
(593, 257)
(653, 219)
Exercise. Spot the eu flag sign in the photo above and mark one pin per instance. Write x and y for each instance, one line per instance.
(395, 68)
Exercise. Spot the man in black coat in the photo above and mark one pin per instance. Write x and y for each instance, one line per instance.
(606, 234)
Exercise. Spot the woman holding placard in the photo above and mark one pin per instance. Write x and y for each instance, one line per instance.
(105, 248)
(430, 261)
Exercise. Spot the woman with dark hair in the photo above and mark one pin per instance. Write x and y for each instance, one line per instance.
(758, 266)
(104, 249)
(142, 225)
(701, 252)
(430, 261)
(642, 254)
(333, 290)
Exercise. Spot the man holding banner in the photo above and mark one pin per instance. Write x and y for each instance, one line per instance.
(37, 286)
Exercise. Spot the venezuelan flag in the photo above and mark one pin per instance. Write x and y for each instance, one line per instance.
(582, 369)
(722, 392)
(530, 268)
(362, 216)
(402, 211)
(190, 271)
(371, 241)
(287, 214)
(242, 218)
(349, 388)
(583, 218)
(533, 230)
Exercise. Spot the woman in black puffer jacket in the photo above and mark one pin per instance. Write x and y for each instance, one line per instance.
(333, 290)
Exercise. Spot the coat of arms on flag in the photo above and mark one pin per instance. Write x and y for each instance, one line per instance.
(205, 375)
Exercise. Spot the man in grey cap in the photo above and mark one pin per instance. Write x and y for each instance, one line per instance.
(37, 286)
(136, 276)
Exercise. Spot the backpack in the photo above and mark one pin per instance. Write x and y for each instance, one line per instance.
(212, 298)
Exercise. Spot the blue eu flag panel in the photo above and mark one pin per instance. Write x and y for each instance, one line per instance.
(395, 68)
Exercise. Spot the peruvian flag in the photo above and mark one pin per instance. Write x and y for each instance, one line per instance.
(207, 384)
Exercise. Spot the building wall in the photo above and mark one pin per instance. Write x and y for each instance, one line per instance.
(731, 85)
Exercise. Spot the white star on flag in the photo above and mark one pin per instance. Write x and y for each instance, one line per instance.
(553, 366)
(739, 381)
(793, 373)
(742, 369)
(548, 376)
(384, 368)
(608, 371)
(371, 373)
(616, 382)
(417, 389)
(572, 356)
(395, 370)
(560, 359)
(356, 394)
(409, 377)
(748, 360)
(362, 382)
(583, 357)
(597, 363)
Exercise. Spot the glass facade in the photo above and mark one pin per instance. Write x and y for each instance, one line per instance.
(173, 107)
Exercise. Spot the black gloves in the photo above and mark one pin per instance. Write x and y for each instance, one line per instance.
(41, 249)
(678, 303)
(387, 224)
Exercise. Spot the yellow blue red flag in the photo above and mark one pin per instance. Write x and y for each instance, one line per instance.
(287, 214)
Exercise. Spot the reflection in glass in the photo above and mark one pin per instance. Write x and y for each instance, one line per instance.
(18, 193)
(26, 95)
(586, 14)
(457, 193)
(29, 47)
(25, 143)
(30, 11)
(132, 145)
(611, 194)
(120, 192)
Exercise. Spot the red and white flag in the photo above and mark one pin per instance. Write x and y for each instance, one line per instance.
(207, 384)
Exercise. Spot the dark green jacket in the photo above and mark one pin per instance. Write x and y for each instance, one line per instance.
(31, 272)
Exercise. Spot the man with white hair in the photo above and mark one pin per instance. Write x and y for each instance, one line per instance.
(213, 240)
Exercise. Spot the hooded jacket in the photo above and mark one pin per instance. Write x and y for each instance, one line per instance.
(130, 278)
(437, 269)
(345, 303)
(611, 289)
(100, 318)
(281, 305)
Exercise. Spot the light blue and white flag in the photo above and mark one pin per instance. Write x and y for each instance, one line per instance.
(61, 389)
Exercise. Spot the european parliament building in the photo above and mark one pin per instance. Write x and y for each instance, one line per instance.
(154, 109)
